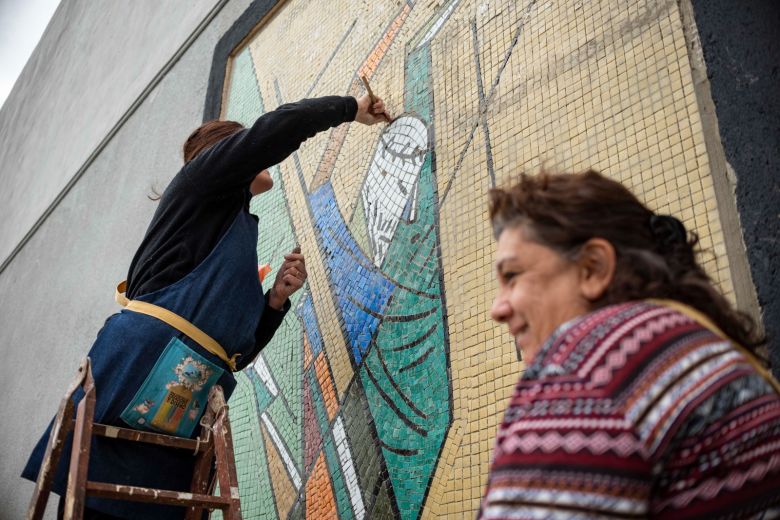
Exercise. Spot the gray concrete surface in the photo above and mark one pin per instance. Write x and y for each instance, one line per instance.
(741, 45)
(91, 64)
(56, 293)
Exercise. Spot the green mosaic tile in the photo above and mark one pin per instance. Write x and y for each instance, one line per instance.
(365, 451)
(319, 405)
(251, 465)
(343, 503)
(396, 412)
(383, 508)
(245, 104)
(289, 429)
(284, 356)
(298, 511)
(409, 360)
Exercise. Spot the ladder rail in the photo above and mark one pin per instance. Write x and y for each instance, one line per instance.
(75, 494)
(226, 473)
(202, 479)
(62, 425)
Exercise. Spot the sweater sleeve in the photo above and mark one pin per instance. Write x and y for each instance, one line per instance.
(234, 161)
(270, 321)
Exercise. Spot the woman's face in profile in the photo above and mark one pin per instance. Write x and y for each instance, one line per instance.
(538, 290)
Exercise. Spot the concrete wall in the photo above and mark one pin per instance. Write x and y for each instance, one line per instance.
(741, 45)
(56, 292)
(88, 69)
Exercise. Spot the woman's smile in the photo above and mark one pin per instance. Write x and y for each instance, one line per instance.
(539, 289)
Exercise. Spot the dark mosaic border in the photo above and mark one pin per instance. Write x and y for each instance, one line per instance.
(240, 29)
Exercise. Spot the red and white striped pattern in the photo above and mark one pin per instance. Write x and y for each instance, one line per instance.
(637, 411)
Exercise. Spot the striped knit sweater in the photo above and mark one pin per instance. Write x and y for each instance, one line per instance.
(637, 411)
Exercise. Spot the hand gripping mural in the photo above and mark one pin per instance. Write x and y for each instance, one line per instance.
(371, 449)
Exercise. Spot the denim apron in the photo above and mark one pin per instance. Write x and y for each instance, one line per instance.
(150, 376)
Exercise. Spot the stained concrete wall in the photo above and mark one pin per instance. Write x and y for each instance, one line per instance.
(89, 69)
(741, 44)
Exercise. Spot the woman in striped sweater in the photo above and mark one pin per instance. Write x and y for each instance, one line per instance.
(642, 396)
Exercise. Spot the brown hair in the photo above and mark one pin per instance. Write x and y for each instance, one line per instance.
(655, 255)
(207, 135)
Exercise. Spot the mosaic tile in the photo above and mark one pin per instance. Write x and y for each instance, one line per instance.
(380, 394)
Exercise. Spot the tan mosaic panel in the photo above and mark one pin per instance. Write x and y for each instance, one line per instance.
(589, 85)
(514, 86)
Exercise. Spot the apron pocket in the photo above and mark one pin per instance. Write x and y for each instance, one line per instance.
(174, 394)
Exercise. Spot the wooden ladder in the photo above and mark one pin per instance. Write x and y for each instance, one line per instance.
(213, 446)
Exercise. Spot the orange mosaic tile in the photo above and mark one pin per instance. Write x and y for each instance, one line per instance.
(320, 501)
(326, 384)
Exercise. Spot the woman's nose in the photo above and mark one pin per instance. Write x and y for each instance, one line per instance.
(500, 309)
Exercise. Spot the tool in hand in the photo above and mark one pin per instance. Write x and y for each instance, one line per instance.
(373, 97)
(264, 269)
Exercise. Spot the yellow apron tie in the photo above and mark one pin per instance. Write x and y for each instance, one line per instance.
(707, 323)
(175, 321)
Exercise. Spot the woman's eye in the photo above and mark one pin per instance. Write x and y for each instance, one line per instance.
(509, 276)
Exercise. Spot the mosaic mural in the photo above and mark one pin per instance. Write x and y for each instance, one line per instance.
(379, 395)
(383, 267)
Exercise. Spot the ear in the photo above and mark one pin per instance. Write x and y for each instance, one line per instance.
(597, 261)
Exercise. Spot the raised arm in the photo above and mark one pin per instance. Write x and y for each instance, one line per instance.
(233, 162)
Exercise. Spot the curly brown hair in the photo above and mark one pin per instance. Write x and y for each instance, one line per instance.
(656, 257)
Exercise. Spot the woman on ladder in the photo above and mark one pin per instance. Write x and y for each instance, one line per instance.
(198, 260)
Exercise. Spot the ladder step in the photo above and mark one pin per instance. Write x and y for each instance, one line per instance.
(214, 451)
(159, 439)
(157, 496)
